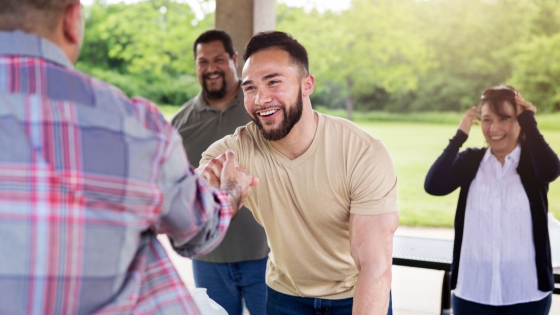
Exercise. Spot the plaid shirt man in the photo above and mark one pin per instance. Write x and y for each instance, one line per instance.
(87, 178)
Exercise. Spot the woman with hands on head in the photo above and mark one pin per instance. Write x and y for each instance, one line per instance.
(501, 256)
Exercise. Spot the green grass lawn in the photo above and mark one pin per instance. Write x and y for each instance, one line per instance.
(415, 145)
(169, 110)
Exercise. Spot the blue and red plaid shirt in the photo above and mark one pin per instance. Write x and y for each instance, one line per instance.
(87, 178)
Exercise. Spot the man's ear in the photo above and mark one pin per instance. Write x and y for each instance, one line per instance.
(72, 23)
(234, 58)
(308, 85)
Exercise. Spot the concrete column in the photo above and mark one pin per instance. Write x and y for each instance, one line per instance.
(243, 18)
(264, 16)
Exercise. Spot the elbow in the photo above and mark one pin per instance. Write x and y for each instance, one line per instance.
(550, 174)
(434, 188)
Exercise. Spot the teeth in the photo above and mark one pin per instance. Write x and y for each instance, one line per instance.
(268, 112)
(497, 137)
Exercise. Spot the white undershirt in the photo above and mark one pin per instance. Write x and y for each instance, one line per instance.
(497, 265)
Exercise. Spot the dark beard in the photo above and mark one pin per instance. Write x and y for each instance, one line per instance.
(217, 94)
(290, 119)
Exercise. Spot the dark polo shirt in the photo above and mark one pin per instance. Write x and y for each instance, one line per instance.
(201, 125)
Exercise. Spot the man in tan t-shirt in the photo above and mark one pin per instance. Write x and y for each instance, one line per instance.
(327, 194)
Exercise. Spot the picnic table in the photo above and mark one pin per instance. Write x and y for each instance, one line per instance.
(436, 254)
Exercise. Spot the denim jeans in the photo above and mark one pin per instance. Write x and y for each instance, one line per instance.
(230, 283)
(281, 304)
(464, 307)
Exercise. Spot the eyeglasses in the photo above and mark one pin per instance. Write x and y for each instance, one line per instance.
(500, 91)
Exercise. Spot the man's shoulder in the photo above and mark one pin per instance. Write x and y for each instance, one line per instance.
(112, 100)
(246, 137)
(247, 133)
(345, 128)
(185, 111)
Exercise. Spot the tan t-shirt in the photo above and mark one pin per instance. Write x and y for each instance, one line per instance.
(305, 204)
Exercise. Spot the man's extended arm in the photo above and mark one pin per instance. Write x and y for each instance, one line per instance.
(371, 246)
(195, 215)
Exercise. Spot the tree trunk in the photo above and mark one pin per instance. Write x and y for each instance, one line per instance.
(349, 102)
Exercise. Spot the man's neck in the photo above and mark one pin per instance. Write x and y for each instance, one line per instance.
(300, 138)
(222, 103)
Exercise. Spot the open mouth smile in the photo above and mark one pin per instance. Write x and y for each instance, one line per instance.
(268, 113)
(496, 138)
(213, 77)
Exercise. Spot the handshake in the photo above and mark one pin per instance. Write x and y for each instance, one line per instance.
(224, 173)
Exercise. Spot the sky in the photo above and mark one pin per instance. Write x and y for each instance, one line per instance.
(201, 8)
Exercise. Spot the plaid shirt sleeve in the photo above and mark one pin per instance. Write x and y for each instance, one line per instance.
(86, 177)
(194, 215)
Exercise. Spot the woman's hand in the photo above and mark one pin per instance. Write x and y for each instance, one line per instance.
(523, 105)
(469, 118)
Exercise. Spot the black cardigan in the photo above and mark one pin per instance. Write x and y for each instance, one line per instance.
(538, 166)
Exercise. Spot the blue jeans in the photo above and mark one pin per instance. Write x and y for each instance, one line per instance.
(464, 307)
(281, 304)
(230, 283)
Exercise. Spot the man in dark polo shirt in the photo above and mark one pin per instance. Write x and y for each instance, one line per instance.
(235, 270)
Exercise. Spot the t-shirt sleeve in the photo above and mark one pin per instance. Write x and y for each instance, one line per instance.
(373, 182)
(219, 147)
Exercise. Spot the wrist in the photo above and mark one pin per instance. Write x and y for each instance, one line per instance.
(234, 192)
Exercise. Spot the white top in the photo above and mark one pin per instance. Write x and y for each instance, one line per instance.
(497, 265)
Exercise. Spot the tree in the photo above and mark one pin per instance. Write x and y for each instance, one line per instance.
(370, 46)
(537, 72)
(144, 48)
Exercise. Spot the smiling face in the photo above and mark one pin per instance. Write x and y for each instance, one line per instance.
(501, 131)
(272, 86)
(215, 70)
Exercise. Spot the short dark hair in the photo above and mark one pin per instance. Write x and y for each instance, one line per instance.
(212, 36)
(28, 14)
(281, 40)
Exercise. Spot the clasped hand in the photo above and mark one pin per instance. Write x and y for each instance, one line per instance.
(224, 173)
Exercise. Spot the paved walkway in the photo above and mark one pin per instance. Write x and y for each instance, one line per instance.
(416, 291)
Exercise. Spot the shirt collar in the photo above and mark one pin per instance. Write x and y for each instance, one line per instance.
(514, 155)
(201, 105)
(31, 45)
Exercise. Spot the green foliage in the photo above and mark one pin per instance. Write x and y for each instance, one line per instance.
(474, 43)
(436, 55)
(372, 46)
(538, 72)
(401, 56)
(143, 48)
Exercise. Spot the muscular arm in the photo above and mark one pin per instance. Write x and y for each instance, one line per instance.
(371, 246)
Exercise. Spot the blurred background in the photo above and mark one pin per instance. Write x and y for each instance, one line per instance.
(404, 70)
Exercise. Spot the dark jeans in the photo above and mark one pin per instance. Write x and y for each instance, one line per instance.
(230, 283)
(464, 307)
(282, 304)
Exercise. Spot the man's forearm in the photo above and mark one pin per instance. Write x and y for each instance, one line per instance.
(371, 295)
(371, 243)
(196, 237)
